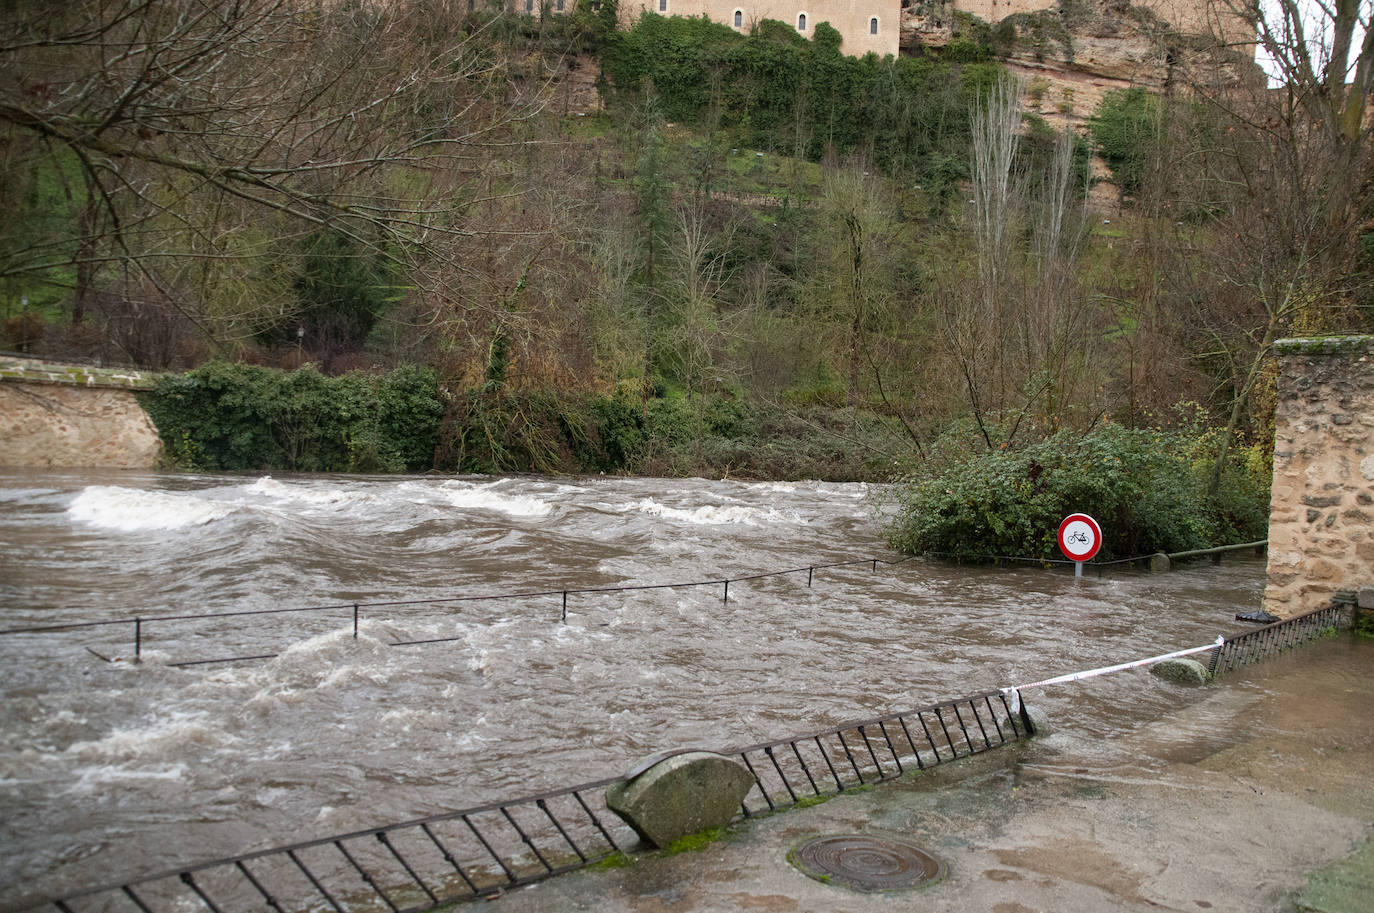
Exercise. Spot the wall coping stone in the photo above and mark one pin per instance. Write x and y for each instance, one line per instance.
(1343, 346)
(19, 369)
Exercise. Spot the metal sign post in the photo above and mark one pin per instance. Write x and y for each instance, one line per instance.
(1079, 539)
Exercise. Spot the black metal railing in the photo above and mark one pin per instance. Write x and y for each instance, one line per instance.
(477, 852)
(140, 626)
(794, 770)
(1273, 639)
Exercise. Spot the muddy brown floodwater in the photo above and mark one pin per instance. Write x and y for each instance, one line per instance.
(111, 769)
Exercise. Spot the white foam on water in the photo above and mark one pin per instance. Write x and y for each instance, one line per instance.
(715, 515)
(164, 737)
(286, 492)
(469, 496)
(138, 510)
(98, 778)
(325, 662)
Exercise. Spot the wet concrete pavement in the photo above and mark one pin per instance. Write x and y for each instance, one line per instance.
(1226, 804)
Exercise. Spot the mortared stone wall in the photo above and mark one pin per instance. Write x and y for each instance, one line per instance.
(1321, 520)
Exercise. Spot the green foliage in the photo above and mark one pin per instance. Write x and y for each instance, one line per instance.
(341, 291)
(1124, 128)
(775, 90)
(43, 199)
(229, 416)
(494, 431)
(1145, 487)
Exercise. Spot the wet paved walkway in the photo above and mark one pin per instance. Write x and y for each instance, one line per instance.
(1225, 805)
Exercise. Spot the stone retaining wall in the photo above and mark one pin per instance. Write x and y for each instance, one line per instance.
(1321, 521)
(61, 416)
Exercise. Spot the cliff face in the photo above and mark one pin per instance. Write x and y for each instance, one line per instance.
(1072, 52)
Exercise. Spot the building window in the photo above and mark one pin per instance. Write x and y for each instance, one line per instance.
(663, 6)
(872, 25)
(472, 5)
(739, 18)
(558, 5)
(801, 22)
(529, 6)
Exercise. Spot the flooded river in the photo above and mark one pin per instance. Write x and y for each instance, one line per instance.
(110, 768)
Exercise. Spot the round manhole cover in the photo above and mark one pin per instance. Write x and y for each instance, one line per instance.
(864, 863)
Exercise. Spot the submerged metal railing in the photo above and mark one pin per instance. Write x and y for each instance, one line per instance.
(424, 863)
(139, 626)
(1273, 639)
(481, 851)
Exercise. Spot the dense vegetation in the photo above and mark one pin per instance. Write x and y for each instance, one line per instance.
(225, 416)
(1146, 487)
(410, 236)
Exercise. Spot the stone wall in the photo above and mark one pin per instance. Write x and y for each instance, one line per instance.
(62, 416)
(1321, 521)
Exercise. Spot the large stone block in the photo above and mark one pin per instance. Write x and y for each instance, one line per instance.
(683, 794)
(1181, 671)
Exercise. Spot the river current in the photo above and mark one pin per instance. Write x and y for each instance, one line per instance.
(110, 768)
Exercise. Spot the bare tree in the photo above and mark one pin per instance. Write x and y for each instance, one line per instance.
(1277, 181)
(859, 230)
(977, 326)
(204, 130)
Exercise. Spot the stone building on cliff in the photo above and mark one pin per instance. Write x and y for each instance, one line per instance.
(865, 25)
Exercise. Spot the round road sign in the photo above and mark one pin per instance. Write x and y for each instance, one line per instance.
(1079, 537)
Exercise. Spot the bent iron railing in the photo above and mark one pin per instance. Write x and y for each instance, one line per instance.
(421, 864)
(1273, 639)
(477, 852)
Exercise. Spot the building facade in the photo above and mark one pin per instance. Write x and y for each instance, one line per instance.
(865, 25)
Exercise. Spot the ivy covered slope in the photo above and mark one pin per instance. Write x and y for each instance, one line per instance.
(235, 416)
(224, 416)
(1146, 487)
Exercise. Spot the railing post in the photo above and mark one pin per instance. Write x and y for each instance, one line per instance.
(565, 607)
(727, 592)
(355, 621)
(138, 640)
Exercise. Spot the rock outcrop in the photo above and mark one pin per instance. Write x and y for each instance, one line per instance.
(1072, 52)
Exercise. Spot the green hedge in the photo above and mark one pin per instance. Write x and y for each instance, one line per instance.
(1145, 487)
(232, 416)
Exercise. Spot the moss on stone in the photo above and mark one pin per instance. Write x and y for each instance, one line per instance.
(616, 860)
(693, 842)
(1325, 345)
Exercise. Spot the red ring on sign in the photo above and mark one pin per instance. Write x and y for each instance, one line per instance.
(1077, 554)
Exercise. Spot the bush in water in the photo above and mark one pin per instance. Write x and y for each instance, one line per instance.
(1145, 487)
(233, 416)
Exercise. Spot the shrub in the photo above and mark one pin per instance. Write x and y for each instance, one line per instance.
(1124, 129)
(1145, 488)
(230, 416)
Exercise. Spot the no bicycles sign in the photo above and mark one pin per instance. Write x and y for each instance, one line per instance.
(1079, 537)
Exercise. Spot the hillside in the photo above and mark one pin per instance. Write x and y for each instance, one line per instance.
(662, 249)
(1073, 52)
